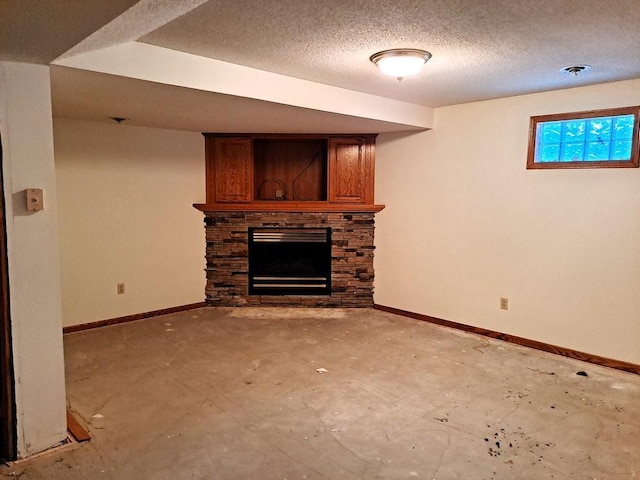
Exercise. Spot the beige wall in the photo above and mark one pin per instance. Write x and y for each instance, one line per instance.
(125, 200)
(466, 224)
(34, 267)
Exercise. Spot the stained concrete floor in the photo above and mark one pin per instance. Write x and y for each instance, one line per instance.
(225, 393)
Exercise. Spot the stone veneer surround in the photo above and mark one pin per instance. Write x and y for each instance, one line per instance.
(351, 258)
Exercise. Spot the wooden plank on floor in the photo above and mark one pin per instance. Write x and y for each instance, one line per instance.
(74, 427)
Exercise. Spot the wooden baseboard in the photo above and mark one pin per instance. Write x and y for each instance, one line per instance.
(546, 347)
(131, 318)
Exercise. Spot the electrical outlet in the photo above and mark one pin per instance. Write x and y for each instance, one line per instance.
(504, 303)
(120, 288)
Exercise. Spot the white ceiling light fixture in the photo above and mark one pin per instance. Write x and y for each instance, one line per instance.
(400, 62)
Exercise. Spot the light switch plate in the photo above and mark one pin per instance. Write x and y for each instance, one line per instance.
(35, 199)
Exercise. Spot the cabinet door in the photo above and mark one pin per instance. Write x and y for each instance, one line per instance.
(351, 170)
(232, 168)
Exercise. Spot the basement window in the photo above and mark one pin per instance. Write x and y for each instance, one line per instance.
(593, 139)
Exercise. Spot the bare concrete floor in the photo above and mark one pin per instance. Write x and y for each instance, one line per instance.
(236, 394)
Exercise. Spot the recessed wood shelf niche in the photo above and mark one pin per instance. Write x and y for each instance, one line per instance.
(290, 173)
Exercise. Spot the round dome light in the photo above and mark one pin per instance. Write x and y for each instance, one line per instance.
(400, 62)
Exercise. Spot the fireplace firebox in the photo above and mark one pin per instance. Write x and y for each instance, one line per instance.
(289, 261)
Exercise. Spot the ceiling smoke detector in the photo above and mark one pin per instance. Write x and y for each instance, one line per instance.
(400, 62)
(575, 69)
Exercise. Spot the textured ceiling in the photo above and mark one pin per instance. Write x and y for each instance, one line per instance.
(39, 31)
(481, 49)
(141, 18)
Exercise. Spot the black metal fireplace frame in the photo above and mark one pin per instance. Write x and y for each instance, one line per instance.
(289, 261)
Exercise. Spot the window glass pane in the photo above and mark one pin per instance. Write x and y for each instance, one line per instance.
(572, 152)
(598, 151)
(623, 127)
(550, 132)
(621, 150)
(599, 129)
(549, 153)
(574, 131)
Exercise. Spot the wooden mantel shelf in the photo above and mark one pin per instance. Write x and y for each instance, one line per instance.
(288, 206)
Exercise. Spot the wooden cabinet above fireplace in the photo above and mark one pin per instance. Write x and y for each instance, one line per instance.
(275, 172)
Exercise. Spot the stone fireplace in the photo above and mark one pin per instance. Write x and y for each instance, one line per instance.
(290, 187)
(227, 257)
